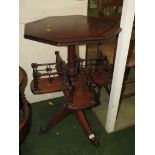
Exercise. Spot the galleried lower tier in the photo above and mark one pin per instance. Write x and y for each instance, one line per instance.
(79, 92)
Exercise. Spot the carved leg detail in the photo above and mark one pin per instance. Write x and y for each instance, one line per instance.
(84, 123)
(55, 120)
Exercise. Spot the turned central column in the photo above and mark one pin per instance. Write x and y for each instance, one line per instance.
(72, 68)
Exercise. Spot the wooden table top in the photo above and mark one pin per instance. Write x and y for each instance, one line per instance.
(71, 30)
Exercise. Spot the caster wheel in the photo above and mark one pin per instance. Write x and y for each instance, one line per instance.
(95, 142)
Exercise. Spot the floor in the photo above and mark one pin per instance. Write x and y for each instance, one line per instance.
(67, 138)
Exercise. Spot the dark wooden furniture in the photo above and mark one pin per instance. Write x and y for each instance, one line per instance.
(114, 9)
(111, 10)
(109, 50)
(107, 10)
(24, 108)
(79, 77)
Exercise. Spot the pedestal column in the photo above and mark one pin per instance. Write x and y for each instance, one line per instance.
(72, 68)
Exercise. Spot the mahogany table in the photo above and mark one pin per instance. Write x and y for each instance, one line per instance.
(77, 81)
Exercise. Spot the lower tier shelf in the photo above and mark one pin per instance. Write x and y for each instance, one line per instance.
(44, 86)
(100, 78)
(82, 96)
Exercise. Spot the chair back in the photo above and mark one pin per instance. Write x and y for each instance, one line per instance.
(110, 9)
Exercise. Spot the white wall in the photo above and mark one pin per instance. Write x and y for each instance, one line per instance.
(31, 51)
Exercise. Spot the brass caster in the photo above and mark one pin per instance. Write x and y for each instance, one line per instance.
(94, 140)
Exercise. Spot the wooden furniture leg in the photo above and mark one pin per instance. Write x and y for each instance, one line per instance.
(62, 113)
(84, 123)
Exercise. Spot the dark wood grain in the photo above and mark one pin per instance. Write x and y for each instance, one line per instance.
(71, 30)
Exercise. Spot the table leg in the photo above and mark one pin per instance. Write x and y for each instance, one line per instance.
(84, 123)
(62, 113)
